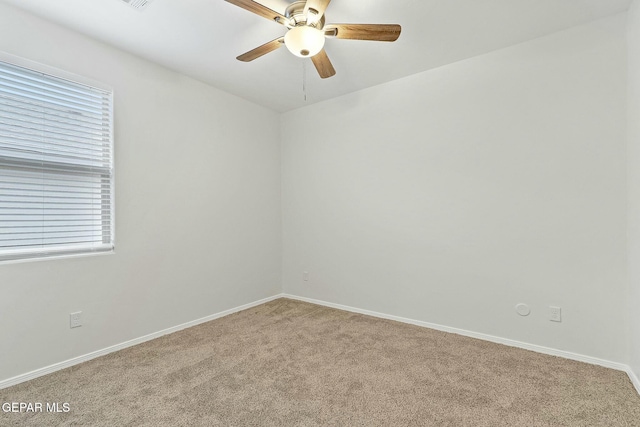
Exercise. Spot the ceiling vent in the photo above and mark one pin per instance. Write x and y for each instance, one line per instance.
(138, 4)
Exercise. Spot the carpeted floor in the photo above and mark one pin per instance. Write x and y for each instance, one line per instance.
(290, 363)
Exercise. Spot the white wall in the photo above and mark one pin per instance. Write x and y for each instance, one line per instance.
(197, 209)
(452, 195)
(633, 123)
(447, 197)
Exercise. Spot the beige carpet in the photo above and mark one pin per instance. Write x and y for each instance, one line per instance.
(291, 363)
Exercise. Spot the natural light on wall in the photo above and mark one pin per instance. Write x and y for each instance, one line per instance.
(56, 165)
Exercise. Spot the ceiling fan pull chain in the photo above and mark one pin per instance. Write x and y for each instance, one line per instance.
(304, 80)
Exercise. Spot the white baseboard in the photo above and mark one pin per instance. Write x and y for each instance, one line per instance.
(76, 360)
(511, 343)
(634, 379)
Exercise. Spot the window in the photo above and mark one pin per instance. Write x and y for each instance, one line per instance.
(56, 165)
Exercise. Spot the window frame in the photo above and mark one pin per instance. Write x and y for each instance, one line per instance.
(52, 253)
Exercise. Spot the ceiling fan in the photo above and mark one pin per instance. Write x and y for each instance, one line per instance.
(306, 33)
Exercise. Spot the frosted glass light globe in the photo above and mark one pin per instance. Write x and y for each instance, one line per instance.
(304, 41)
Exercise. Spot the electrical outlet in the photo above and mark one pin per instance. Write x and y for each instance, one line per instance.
(305, 276)
(75, 319)
(555, 314)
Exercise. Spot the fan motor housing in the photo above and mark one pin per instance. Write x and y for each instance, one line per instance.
(295, 13)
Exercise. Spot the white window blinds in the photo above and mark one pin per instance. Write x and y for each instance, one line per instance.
(56, 165)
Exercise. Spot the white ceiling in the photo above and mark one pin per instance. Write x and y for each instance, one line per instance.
(201, 38)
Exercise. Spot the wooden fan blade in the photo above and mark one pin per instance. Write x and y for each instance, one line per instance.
(261, 50)
(258, 9)
(318, 5)
(323, 64)
(374, 32)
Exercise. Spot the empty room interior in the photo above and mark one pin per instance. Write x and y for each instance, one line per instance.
(320, 212)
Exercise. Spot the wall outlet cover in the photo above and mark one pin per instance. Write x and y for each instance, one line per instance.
(75, 319)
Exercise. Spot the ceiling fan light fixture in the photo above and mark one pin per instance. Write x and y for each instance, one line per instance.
(305, 38)
(304, 41)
